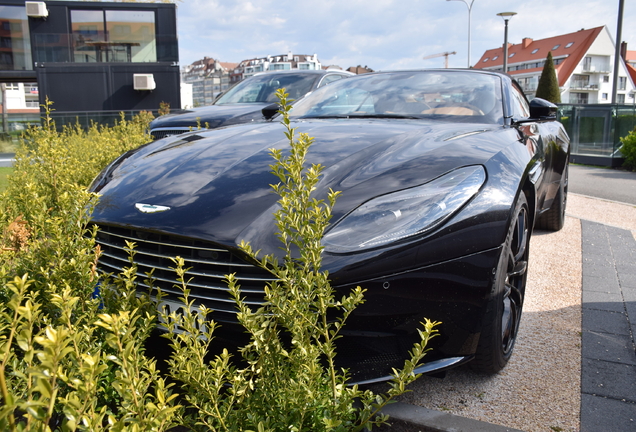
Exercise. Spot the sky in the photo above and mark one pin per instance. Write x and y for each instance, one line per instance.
(381, 34)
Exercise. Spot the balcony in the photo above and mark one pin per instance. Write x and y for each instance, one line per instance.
(584, 86)
(599, 68)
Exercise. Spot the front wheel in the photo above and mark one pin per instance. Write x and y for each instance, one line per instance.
(503, 313)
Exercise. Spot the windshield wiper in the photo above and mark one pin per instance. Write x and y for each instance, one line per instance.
(385, 115)
(345, 116)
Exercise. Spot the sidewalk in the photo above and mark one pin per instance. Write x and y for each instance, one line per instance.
(608, 356)
(608, 369)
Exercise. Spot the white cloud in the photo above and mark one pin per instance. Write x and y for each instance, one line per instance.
(383, 34)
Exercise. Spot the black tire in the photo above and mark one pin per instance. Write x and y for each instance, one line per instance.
(503, 312)
(554, 218)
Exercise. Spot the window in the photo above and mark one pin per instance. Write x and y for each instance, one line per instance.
(279, 66)
(605, 78)
(495, 58)
(580, 81)
(511, 55)
(330, 78)
(620, 98)
(486, 59)
(622, 83)
(569, 44)
(534, 51)
(15, 39)
(604, 96)
(580, 98)
(556, 47)
(520, 106)
(113, 36)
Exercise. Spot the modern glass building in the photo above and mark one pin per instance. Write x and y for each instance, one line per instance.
(92, 56)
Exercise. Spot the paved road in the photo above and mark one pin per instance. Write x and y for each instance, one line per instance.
(6, 159)
(605, 183)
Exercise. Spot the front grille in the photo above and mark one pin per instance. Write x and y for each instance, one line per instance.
(207, 265)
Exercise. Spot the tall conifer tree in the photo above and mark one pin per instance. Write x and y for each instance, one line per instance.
(548, 88)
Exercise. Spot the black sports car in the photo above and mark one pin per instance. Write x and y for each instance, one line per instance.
(243, 102)
(443, 173)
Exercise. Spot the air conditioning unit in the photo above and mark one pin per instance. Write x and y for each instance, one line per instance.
(144, 82)
(36, 9)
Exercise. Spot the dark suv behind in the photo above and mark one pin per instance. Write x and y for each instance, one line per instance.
(243, 102)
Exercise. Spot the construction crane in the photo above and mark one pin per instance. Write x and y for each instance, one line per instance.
(444, 54)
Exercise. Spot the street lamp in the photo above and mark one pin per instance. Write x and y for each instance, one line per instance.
(506, 16)
(470, 8)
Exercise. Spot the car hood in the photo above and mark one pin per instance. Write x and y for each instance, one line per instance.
(217, 183)
(212, 116)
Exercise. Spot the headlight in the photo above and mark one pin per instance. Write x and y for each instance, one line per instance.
(405, 213)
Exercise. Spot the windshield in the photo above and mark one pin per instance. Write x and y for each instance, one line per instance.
(262, 88)
(452, 95)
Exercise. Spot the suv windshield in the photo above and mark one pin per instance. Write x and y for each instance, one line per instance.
(451, 95)
(262, 88)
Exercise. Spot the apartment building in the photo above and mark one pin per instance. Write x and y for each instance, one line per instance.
(583, 60)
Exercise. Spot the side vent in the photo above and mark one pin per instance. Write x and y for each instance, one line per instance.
(36, 9)
(144, 82)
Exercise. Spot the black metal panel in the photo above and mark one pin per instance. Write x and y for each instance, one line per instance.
(104, 86)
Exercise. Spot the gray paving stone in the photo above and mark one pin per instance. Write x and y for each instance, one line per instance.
(612, 302)
(596, 245)
(627, 280)
(604, 260)
(604, 321)
(599, 271)
(608, 347)
(626, 268)
(608, 379)
(595, 252)
(599, 284)
(606, 415)
(629, 294)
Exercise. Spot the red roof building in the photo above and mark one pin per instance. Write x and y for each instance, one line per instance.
(630, 60)
(583, 61)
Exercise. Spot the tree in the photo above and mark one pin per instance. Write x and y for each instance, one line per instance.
(548, 88)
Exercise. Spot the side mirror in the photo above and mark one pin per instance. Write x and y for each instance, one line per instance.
(542, 109)
(270, 111)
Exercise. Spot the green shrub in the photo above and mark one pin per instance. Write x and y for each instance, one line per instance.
(285, 384)
(71, 361)
(4, 172)
(628, 149)
(49, 160)
(45, 210)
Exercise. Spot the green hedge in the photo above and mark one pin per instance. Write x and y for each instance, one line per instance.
(75, 361)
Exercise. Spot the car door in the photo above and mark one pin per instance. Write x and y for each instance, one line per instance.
(547, 142)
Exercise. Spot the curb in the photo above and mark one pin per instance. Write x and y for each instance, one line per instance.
(411, 418)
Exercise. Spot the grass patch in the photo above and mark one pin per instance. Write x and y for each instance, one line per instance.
(4, 172)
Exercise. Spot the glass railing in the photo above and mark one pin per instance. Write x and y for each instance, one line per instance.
(596, 129)
(69, 48)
